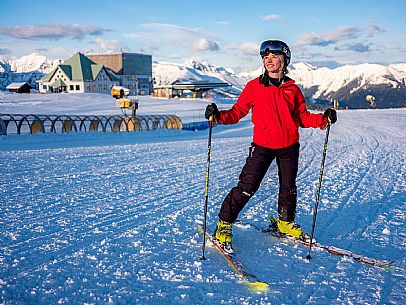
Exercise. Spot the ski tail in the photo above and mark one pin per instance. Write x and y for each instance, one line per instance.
(272, 230)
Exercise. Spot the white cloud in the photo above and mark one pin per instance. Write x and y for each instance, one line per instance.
(222, 22)
(204, 44)
(248, 48)
(374, 29)
(50, 31)
(164, 37)
(339, 34)
(356, 47)
(111, 45)
(271, 17)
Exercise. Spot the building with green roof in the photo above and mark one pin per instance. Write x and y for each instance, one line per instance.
(79, 74)
(133, 69)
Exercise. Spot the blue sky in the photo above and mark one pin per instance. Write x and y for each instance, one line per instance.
(224, 33)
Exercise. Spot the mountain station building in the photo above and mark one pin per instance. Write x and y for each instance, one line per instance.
(99, 73)
(133, 69)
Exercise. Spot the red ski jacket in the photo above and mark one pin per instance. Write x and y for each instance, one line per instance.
(277, 113)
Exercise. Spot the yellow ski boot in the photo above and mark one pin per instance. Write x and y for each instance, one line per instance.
(290, 228)
(224, 235)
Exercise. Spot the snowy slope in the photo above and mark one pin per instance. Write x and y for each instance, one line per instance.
(111, 218)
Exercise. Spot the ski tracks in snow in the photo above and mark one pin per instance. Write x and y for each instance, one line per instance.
(117, 224)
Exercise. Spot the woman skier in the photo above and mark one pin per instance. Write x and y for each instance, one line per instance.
(278, 110)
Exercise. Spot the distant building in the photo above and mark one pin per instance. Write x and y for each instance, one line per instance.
(133, 69)
(78, 74)
(20, 87)
(178, 89)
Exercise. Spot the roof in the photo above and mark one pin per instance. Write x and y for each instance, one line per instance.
(78, 68)
(48, 76)
(18, 85)
(81, 67)
(96, 70)
(111, 74)
(67, 70)
(58, 83)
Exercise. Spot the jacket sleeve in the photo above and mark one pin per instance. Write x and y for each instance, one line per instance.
(240, 109)
(307, 119)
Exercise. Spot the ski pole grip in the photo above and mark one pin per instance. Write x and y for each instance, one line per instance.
(211, 118)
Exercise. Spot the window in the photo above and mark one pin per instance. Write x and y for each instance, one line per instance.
(71, 87)
(78, 87)
(44, 87)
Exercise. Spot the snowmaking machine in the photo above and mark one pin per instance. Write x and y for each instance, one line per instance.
(371, 101)
(124, 100)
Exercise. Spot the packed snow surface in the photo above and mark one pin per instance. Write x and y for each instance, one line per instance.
(108, 218)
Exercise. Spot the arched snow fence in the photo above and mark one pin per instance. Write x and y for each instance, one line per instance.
(36, 123)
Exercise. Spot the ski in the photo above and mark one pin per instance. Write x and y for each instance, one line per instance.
(248, 278)
(273, 231)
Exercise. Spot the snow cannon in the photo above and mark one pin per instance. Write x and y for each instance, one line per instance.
(371, 101)
(123, 99)
(119, 92)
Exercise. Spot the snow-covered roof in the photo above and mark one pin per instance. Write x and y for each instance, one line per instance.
(17, 85)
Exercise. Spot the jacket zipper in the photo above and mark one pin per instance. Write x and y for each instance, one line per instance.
(279, 118)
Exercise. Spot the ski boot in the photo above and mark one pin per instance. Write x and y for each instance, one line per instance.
(223, 234)
(290, 228)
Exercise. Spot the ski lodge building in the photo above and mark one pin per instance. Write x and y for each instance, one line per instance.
(99, 73)
(178, 89)
(20, 87)
(78, 74)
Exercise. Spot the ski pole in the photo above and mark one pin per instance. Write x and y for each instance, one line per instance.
(207, 186)
(318, 191)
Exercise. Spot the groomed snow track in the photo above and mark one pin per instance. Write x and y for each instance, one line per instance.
(116, 224)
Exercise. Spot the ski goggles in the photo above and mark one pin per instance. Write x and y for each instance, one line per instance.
(274, 47)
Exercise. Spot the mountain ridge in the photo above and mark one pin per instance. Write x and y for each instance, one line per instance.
(349, 84)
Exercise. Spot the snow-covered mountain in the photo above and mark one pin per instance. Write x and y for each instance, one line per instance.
(28, 63)
(349, 84)
(28, 69)
(166, 73)
(352, 83)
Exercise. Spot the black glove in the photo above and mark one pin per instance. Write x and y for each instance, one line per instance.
(211, 110)
(331, 115)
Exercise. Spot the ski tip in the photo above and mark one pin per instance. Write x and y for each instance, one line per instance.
(387, 266)
(258, 286)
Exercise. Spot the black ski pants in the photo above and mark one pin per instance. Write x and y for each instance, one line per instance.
(254, 170)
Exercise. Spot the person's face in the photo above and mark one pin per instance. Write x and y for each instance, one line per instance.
(273, 63)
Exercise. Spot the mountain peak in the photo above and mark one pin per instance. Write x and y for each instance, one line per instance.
(29, 63)
(303, 66)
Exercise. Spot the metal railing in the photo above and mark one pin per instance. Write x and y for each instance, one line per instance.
(39, 123)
